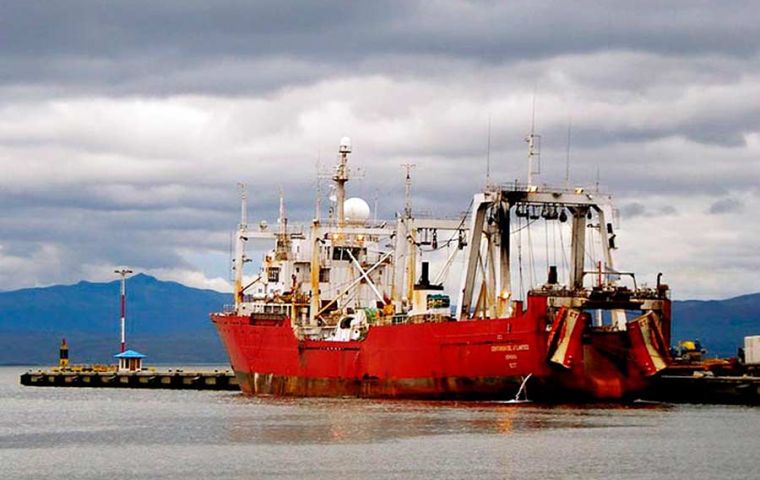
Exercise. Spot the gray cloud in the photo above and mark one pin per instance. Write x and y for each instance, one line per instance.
(234, 46)
(638, 209)
(726, 205)
(633, 210)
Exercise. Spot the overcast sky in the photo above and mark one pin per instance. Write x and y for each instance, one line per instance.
(124, 127)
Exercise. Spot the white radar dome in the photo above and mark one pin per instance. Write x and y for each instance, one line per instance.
(356, 211)
(345, 145)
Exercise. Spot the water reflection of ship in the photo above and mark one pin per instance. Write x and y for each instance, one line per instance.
(336, 310)
(352, 421)
(347, 421)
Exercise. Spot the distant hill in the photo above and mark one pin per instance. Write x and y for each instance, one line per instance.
(167, 321)
(720, 325)
(170, 322)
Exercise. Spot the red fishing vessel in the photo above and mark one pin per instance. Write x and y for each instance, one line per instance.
(339, 309)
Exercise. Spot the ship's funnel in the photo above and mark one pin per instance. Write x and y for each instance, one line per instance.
(552, 280)
(425, 277)
(424, 281)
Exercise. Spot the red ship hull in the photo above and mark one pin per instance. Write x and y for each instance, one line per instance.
(464, 359)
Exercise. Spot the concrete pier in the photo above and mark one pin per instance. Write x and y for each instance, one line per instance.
(170, 380)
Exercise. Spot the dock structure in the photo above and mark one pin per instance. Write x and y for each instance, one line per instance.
(704, 389)
(707, 389)
(170, 380)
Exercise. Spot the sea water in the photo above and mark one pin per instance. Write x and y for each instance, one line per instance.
(81, 433)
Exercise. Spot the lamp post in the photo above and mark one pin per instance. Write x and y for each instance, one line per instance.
(123, 272)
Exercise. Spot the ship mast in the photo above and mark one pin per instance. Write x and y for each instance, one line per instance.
(408, 189)
(240, 239)
(411, 232)
(534, 148)
(340, 178)
(318, 195)
(282, 219)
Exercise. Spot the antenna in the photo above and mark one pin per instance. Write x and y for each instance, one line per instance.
(408, 189)
(243, 205)
(240, 239)
(488, 154)
(232, 265)
(341, 177)
(377, 194)
(318, 193)
(324, 173)
(534, 147)
(282, 220)
(597, 178)
(567, 153)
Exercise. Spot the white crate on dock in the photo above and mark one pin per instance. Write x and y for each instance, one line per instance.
(752, 350)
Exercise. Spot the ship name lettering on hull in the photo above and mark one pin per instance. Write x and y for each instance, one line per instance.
(523, 347)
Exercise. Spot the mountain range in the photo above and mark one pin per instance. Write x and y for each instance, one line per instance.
(167, 321)
(170, 323)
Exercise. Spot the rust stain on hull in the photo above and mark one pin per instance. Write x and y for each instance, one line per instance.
(416, 388)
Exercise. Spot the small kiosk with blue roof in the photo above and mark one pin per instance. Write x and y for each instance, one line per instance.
(130, 361)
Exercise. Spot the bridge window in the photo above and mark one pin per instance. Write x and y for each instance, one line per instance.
(324, 275)
(273, 274)
(342, 253)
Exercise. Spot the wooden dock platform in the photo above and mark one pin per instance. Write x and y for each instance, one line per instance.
(170, 380)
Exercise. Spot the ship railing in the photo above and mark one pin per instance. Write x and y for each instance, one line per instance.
(607, 284)
(639, 291)
(267, 308)
(276, 308)
(371, 224)
(296, 228)
(613, 276)
(518, 186)
(429, 215)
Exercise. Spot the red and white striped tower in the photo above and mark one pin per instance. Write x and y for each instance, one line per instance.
(123, 272)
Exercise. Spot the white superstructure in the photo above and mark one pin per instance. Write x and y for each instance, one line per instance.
(352, 267)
